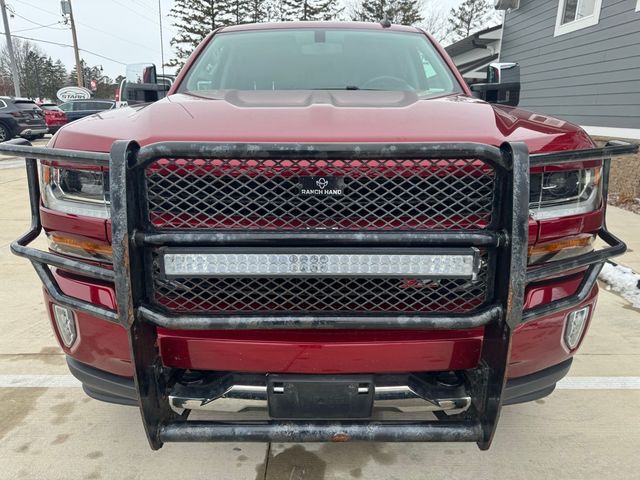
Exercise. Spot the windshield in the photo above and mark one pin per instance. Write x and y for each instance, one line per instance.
(312, 59)
(25, 105)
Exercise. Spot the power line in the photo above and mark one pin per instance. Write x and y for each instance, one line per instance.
(58, 15)
(67, 45)
(38, 7)
(36, 23)
(136, 12)
(116, 36)
(38, 28)
(131, 42)
(142, 3)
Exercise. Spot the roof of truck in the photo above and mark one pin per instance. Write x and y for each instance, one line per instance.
(318, 25)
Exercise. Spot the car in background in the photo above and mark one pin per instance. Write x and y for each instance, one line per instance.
(77, 109)
(21, 116)
(53, 116)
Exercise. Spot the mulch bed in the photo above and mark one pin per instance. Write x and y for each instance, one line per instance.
(624, 181)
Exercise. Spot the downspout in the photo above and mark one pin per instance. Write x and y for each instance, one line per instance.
(504, 22)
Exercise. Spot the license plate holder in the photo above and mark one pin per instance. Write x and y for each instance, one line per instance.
(335, 397)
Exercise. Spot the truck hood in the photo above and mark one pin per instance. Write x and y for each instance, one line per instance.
(321, 116)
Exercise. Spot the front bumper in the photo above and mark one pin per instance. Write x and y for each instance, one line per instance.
(28, 132)
(132, 238)
(111, 388)
(536, 344)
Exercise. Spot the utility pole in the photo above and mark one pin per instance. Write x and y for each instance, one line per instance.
(68, 10)
(12, 57)
(161, 39)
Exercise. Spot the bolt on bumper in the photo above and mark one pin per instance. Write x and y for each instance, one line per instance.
(131, 236)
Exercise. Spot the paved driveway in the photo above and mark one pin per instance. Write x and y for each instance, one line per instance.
(587, 429)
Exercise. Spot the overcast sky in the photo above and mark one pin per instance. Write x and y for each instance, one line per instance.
(124, 31)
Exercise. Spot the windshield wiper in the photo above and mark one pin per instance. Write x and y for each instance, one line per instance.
(347, 87)
(350, 87)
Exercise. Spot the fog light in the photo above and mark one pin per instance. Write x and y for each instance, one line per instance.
(66, 322)
(574, 327)
(460, 264)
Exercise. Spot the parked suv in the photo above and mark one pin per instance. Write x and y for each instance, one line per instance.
(21, 116)
(77, 109)
(321, 231)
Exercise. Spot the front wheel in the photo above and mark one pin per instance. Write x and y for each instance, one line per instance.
(4, 133)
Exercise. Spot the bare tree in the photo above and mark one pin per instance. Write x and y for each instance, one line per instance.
(436, 22)
(40, 76)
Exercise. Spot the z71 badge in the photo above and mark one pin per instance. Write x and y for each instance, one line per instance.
(322, 186)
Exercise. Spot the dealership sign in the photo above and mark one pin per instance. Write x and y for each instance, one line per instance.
(73, 93)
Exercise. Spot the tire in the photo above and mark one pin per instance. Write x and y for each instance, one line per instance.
(4, 133)
(40, 135)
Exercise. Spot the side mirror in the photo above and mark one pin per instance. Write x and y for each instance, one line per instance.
(141, 85)
(503, 84)
(141, 73)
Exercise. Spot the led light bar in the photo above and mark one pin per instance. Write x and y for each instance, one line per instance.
(437, 265)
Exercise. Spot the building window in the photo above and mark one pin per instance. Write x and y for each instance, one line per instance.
(577, 14)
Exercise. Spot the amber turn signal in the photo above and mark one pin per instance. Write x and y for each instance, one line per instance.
(80, 248)
(559, 249)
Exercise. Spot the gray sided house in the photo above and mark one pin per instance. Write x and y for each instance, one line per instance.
(579, 59)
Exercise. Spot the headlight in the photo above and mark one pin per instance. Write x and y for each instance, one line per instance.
(562, 193)
(79, 192)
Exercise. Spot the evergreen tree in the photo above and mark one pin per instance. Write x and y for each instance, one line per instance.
(105, 86)
(257, 10)
(87, 74)
(195, 19)
(236, 12)
(293, 10)
(54, 78)
(469, 17)
(403, 12)
(33, 70)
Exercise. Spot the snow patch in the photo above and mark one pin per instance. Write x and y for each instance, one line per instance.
(622, 280)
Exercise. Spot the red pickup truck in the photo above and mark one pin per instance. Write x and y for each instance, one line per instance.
(320, 234)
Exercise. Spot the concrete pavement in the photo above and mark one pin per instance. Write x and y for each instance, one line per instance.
(627, 227)
(59, 433)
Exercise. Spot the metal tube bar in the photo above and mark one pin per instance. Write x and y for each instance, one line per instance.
(238, 322)
(59, 261)
(60, 298)
(319, 151)
(19, 247)
(616, 247)
(207, 431)
(571, 156)
(476, 239)
(489, 379)
(78, 157)
(585, 287)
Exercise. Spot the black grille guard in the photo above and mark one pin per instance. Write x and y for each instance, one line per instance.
(132, 236)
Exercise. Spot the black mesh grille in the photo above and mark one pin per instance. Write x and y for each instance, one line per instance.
(349, 295)
(266, 194)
